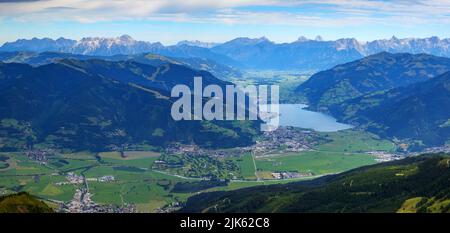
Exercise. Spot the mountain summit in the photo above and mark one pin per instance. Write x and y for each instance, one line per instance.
(260, 53)
(110, 46)
(379, 72)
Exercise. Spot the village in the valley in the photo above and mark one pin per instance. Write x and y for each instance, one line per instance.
(282, 140)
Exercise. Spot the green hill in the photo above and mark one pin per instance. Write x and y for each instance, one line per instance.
(418, 113)
(95, 104)
(22, 203)
(374, 73)
(33, 58)
(416, 184)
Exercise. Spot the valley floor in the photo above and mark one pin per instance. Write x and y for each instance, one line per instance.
(147, 181)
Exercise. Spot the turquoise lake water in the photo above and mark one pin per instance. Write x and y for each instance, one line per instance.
(295, 115)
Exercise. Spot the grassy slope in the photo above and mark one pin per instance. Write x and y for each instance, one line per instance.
(377, 72)
(387, 187)
(413, 113)
(22, 203)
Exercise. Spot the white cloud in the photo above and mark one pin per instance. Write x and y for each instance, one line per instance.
(323, 12)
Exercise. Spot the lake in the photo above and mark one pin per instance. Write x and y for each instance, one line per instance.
(295, 115)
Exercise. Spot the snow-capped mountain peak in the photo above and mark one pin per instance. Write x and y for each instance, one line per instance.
(124, 44)
(198, 43)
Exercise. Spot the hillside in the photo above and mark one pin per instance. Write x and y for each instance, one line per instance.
(416, 184)
(22, 203)
(98, 104)
(379, 72)
(418, 112)
(34, 58)
(161, 77)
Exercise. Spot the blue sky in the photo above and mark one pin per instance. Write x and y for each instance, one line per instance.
(169, 21)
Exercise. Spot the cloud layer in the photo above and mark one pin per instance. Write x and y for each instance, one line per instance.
(283, 12)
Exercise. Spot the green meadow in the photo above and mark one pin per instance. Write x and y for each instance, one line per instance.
(317, 162)
(139, 181)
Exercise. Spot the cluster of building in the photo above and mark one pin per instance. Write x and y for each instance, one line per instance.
(108, 178)
(290, 175)
(287, 139)
(39, 155)
(172, 207)
(188, 149)
(123, 147)
(438, 149)
(383, 156)
(82, 203)
(72, 178)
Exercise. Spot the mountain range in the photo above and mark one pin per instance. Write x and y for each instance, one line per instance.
(103, 94)
(198, 43)
(34, 58)
(418, 113)
(259, 53)
(399, 96)
(378, 72)
(123, 45)
(96, 104)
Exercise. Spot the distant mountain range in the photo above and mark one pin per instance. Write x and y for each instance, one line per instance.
(319, 54)
(379, 72)
(260, 53)
(34, 58)
(301, 55)
(97, 104)
(87, 46)
(198, 43)
(124, 45)
(412, 185)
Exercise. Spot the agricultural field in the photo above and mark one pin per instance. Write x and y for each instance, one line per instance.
(134, 181)
(151, 180)
(246, 167)
(355, 141)
(316, 162)
(342, 151)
